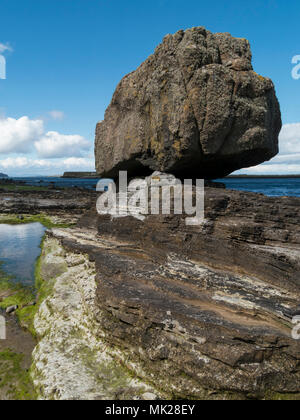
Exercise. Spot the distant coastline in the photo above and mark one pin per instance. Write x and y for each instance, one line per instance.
(82, 175)
(263, 176)
(93, 175)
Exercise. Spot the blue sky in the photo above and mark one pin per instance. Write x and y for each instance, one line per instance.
(65, 58)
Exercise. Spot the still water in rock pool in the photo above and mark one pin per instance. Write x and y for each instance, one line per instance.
(19, 249)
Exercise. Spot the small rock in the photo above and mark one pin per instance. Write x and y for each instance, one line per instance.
(149, 396)
(29, 304)
(11, 309)
(295, 312)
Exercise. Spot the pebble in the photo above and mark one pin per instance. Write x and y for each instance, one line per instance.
(11, 309)
(149, 396)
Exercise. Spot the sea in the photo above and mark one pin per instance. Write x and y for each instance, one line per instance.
(19, 244)
(273, 187)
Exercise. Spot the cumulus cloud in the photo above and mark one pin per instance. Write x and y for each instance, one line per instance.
(18, 135)
(23, 136)
(290, 139)
(56, 145)
(273, 169)
(23, 166)
(288, 160)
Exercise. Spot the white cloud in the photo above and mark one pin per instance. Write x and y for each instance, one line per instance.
(288, 159)
(23, 162)
(56, 145)
(17, 136)
(56, 115)
(27, 149)
(290, 139)
(273, 169)
(4, 47)
(79, 162)
(23, 136)
(23, 166)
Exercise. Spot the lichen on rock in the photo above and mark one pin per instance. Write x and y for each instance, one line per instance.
(193, 108)
(70, 361)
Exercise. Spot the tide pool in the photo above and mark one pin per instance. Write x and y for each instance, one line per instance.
(19, 249)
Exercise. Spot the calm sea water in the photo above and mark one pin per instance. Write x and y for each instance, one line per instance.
(275, 187)
(19, 245)
(59, 182)
(271, 187)
(19, 249)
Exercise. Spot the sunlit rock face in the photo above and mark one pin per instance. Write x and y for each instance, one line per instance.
(205, 311)
(194, 107)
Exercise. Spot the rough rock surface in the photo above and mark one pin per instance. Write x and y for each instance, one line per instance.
(62, 204)
(71, 362)
(201, 312)
(194, 108)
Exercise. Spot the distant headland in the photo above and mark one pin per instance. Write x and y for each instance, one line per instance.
(3, 175)
(83, 175)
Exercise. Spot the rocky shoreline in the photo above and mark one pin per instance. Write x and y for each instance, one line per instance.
(71, 361)
(204, 311)
(20, 199)
(182, 312)
(20, 204)
(158, 309)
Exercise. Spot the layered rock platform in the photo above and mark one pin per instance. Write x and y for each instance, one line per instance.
(201, 311)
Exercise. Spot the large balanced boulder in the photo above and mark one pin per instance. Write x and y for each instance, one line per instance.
(195, 107)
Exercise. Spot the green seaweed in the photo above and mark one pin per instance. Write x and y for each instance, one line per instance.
(15, 381)
(37, 218)
(24, 188)
(16, 294)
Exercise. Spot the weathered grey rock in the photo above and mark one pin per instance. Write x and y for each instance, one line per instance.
(59, 203)
(203, 311)
(195, 107)
(70, 361)
(11, 309)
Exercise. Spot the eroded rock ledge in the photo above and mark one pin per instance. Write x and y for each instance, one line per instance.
(71, 360)
(200, 312)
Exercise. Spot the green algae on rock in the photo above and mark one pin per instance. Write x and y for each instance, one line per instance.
(46, 220)
(71, 362)
(15, 351)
